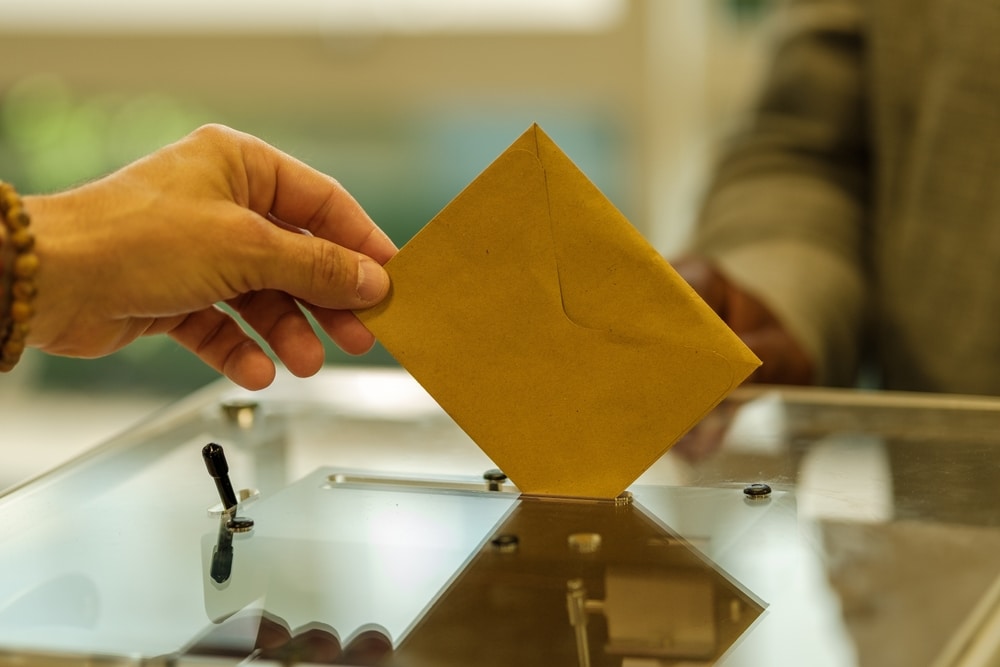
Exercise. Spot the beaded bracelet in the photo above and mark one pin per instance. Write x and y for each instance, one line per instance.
(18, 264)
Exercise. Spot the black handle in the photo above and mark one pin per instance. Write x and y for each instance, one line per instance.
(215, 461)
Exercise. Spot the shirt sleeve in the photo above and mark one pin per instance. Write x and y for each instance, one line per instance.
(785, 214)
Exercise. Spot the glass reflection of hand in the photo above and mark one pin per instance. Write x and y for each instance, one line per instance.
(320, 646)
(705, 440)
(268, 637)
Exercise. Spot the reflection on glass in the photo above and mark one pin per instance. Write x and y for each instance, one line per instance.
(436, 574)
(581, 583)
(121, 554)
(351, 559)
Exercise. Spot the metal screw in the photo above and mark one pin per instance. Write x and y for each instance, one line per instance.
(506, 543)
(240, 411)
(735, 610)
(584, 543)
(239, 524)
(243, 497)
(494, 479)
(757, 491)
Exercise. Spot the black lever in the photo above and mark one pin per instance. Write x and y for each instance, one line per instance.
(215, 461)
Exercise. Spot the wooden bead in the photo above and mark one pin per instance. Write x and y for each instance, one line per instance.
(18, 265)
(18, 331)
(25, 266)
(13, 348)
(23, 290)
(21, 311)
(22, 240)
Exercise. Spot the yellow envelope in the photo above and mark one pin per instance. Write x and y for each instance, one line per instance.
(551, 331)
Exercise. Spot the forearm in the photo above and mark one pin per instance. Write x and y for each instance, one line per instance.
(786, 213)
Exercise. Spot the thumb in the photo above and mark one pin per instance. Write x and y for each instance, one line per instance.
(322, 273)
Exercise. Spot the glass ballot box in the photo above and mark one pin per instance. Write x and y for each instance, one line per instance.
(361, 526)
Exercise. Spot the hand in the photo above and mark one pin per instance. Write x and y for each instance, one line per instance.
(219, 216)
(784, 361)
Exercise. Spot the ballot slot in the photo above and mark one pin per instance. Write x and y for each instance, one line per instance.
(492, 480)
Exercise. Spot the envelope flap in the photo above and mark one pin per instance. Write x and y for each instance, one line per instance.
(611, 262)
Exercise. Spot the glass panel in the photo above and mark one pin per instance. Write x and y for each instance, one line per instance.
(375, 536)
(352, 560)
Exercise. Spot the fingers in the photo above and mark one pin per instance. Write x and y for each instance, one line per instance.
(345, 329)
(320, 645)
(783, 359)
(315, 645)
(220, 342)
(317, 202)
(293, 192)
(334, 268)
(283, 325)
(368, 648)
(267, 193)
(315, 271)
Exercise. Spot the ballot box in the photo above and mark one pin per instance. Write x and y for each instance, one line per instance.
(363, 527)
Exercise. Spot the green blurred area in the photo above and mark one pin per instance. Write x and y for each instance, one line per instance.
(403, 170)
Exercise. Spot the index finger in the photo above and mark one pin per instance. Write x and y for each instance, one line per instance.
(299, 195)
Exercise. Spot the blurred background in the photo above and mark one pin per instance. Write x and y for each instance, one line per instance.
(403, 101)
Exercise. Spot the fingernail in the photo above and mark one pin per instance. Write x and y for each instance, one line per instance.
(373, 281)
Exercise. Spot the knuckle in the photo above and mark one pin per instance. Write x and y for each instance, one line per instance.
(213, 132)
(220, 138)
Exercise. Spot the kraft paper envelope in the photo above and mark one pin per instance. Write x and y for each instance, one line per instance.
(553, 334)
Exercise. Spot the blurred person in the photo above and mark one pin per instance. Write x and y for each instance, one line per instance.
(857, 217)
(219, 216)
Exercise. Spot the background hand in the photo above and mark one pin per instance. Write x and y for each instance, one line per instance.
(219, 216)
(783, 358)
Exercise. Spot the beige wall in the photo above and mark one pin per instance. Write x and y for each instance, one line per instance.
(670, 72)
